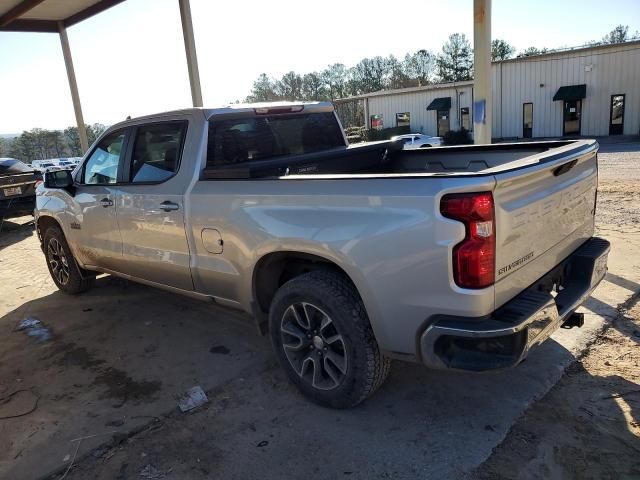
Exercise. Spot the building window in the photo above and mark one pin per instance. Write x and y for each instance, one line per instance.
(377, 122)
(616, 120)
(527, 120)
(465, 121)
(443, 122)
(403, 119)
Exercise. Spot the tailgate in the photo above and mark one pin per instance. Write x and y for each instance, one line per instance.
(543, 213)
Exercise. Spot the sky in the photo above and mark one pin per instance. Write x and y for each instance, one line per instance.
(130, 59)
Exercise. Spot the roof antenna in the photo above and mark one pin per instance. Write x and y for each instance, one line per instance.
(128, 117)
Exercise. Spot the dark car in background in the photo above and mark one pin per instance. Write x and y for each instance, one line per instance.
(17, 188)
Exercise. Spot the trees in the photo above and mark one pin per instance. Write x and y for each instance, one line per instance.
(335, 78)
(455, 62)
(313, 87)
(501, 50)
(263, 90)
(419, 66)
(397, 76)
(532, 51)
(72, 138)
(40, 144)
(619, 34)
(369, 75)
(289, 87)
(338, 81)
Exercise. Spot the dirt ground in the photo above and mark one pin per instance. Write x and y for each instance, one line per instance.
(94, 393)
(588, 426)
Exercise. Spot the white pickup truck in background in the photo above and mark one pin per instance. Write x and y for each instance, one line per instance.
(455, 257)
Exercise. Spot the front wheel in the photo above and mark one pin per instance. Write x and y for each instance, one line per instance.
(63, 268)
(323, 339)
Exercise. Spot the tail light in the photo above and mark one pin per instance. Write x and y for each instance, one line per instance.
(474, 257)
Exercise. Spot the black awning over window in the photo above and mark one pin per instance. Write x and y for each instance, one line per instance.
(571, 92)
(443, 103)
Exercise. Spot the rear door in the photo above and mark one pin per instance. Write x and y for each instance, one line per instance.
(543, 213)
(150, 206)
(94, 231)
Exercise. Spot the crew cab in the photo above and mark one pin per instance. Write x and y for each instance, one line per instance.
(348, 256)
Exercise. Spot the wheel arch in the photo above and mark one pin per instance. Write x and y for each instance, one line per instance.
(43, 223)
(274, 269)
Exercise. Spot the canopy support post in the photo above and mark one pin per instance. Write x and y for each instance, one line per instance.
(73, 86)
(482, 104)
(190, 49)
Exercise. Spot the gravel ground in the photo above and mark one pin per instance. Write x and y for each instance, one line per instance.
(588, 426)
(619, 191)
(620, 162)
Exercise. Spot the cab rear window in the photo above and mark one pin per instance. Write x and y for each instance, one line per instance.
(241, 140)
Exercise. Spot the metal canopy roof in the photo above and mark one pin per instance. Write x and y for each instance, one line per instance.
(571, 92)
(442, 103)
(44, 15)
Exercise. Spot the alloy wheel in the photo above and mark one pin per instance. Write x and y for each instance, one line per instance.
(313, 346)
(58, 261)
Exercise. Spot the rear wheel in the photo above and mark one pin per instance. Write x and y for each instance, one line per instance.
(322, 337)
(63, 267)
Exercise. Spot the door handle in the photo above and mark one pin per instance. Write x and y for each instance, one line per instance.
(106, 202)
(168, 206)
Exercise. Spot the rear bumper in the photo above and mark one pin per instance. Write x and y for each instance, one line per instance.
(17, 207)
(504, 338)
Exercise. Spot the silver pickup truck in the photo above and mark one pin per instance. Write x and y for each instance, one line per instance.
(456, 257)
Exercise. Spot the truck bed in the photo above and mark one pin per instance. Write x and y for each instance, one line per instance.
(387, 158)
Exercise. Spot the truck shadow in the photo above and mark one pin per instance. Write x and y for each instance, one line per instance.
(14, 232)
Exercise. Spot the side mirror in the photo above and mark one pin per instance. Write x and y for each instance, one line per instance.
(59, 179)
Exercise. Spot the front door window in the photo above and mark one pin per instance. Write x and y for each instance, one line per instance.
(616, 122)
(102, 166)
(572, 117)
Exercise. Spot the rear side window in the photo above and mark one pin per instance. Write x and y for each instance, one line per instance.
(157, 151)
(242, 140)
(13, 166)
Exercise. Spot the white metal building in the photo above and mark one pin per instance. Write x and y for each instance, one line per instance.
(590, 91)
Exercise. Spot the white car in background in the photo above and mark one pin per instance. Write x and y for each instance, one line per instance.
(413, 141)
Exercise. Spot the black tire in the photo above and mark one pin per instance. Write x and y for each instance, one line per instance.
(64, 270)
(344, 350)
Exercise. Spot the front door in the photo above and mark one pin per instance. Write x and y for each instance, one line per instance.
(94, 227)
(572, 112)
(150, 206)
(443, 122)
(527, 120)
(616, 118)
